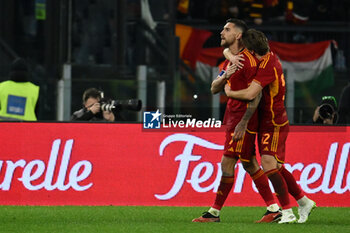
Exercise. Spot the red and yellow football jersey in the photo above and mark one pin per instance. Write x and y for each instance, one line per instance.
(272, 111)
(241, 79)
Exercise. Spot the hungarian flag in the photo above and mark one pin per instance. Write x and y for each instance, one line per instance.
(308, 65)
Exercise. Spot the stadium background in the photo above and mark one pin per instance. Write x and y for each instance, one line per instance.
(129, 49)
(111, 45)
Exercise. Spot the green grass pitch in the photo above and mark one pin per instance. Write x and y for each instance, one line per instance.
(85, 219)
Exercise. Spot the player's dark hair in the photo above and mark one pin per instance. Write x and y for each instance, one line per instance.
(256, 41)
(239, 23)
(91, 93)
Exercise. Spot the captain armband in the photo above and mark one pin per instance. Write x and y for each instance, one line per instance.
(222, 73)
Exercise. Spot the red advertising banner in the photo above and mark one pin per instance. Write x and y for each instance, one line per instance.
(123, 164)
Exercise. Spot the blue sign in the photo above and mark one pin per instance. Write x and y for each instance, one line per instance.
(151, 120)
(16, 105)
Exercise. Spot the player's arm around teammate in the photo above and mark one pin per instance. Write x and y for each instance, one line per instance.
(218, 84)
(247, 94)
(242, 126)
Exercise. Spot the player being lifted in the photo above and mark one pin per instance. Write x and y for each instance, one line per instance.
(273, 124)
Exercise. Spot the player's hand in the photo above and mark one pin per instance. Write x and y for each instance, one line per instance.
(231, 69)
(316, 114)
(237, 60)
(227, 90)
(95, 108)
(109, 116)
(240, 129)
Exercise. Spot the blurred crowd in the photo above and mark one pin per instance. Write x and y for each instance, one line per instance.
(259, 11)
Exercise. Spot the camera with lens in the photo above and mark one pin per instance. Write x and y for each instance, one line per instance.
(326, 111)
(110, 105)
(328, 107)
(130, 104)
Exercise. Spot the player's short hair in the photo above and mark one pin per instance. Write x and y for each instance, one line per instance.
(256, 41)
(91, 93)
(239, 23)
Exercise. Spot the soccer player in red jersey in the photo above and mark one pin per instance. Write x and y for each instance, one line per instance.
(273, 125)
(243, 149)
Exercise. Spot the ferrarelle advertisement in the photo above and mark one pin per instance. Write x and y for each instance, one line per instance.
(123, 164)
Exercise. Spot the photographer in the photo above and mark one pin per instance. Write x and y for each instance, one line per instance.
(92, 109)
(326, 113)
